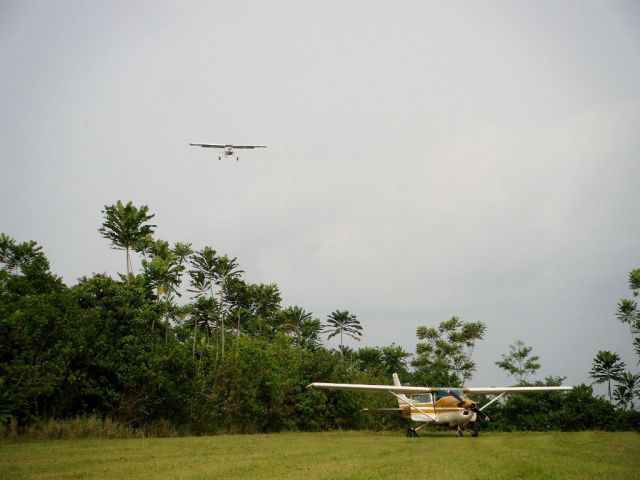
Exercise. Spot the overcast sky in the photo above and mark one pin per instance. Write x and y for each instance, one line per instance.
(424, 160)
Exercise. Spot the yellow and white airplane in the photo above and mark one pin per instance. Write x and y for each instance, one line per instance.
(449, 407)
(227, 148)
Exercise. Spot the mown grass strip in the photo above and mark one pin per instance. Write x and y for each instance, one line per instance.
(349, 455)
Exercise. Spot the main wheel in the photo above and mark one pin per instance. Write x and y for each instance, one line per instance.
(475, 431)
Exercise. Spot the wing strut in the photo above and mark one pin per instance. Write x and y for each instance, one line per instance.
(493, 400)
(406, 400)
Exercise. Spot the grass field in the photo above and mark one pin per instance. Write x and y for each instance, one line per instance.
(353, 455)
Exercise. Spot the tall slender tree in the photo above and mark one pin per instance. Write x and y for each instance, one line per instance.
(202, 276)
(203, 271)
(628, 387)
(607, 366)
(126, 227)
(163, 273)
(293, 320)
(265, 302)
(628, 311)
(203, 316)
(629, 314)
(343, 323)
(225, 269)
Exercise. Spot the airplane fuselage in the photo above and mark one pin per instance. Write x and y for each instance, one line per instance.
(446, 411)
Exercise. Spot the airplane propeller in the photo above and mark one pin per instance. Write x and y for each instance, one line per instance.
(479, 413)
(473, 408)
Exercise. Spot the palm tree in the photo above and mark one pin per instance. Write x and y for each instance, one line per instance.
(15, 256)
(239, 303)
(264, 301)
(343, 323)
(203, 315)
(627, 388)
(163, 271)
(202, 273)
(628, 313)
(607, 366)
(225, 269)
(634, 281)
(294, 319)
(126, 228)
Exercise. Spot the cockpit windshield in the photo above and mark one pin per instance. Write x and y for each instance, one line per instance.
(447, 393)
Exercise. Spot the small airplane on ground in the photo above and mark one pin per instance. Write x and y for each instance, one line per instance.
(228, 148)
(442, 406)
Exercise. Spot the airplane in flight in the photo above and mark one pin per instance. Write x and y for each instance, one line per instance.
(450, 407)
(228, 149)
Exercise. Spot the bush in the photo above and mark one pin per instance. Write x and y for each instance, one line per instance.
(80, 427)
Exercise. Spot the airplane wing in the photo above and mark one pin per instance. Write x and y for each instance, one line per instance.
(498, 390)
(355, 387)
(249, 146)
(207, 145)
(409, 390)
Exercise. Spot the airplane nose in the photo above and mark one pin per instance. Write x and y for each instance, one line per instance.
(469, 405)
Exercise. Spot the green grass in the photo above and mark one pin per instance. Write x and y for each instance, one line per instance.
(353, 455)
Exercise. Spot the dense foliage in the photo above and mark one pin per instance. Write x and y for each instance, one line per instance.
(229, 359)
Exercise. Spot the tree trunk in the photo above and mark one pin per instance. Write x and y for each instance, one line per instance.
(222, 285)
(128, 262)
(195, 332)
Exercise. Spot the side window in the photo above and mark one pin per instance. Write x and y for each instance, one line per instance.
(422, 398)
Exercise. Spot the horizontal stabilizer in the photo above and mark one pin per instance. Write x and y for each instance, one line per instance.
(383, 411)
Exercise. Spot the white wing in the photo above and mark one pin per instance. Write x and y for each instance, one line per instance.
(207, 145)
(409, 390)
(355, 387)
(248, 146)
(497, 390)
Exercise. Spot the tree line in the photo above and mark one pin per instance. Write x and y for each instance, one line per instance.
(231, 357)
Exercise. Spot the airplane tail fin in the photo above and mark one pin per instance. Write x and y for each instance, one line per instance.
(401, 397)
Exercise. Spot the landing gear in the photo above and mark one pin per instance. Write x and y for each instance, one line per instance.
(412, 432)
(471, 427)
(219, 158)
